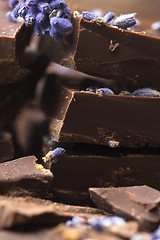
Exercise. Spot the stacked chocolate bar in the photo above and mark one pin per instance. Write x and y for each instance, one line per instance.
(81, 159)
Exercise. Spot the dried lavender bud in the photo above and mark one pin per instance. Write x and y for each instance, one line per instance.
(44, 7)
(96, 224)
(31, 2)
(142, 236)
(109, 17)
(54, 155)
(113, 143)
(125, 93)
(58, 4)
(62, 25)
(156, 234)
(42, 24)
(104, 91)
(57, 36)
(78, 220)
(91, 89)
(125, 21)
(146, 92)
(11, 17)
(88, 16)
(65, 13)
(23, 10)
(16, 10)
(13, 3)
(97, 12)
(156, 26)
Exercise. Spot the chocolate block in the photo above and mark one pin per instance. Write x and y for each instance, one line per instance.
(140, 203)
(80, 116)
(24, 177)
(31, 211)
(13, 39)
(79, 172)
(132, 63)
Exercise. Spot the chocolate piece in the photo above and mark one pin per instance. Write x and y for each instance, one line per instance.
(13, 39)
(30, 211)
(24, 177)
(132, 62)
(80, 116)
(79, 172)
(140, 203)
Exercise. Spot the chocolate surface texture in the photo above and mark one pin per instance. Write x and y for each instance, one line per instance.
(80, 116)
(137, 202)
(134, 63)
(24, 177)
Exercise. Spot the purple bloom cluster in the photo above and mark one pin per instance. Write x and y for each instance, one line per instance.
(48, 16)
(98, 224)
(124, 21)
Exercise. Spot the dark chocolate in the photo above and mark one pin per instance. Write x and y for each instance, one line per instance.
(134, 62)
(24, 177)
(140, 203)
(80, 116)
(31, 211)
(13, 39)
(79, 172)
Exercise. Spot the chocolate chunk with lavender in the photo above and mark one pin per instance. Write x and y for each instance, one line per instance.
(112, 120)
(17, 211)
(13, 39)
(110, 52)
(140, 203)
(24, 176)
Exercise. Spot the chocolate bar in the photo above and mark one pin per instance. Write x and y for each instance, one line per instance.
(90, 170)
(13, 39)
(109, 52)
(23, 176)
(140, 203)
(17, 211)
(81, 116)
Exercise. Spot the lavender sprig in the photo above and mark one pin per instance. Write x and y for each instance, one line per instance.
(47, 17)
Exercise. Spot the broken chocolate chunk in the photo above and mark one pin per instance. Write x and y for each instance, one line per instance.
(13, 39)
(81, 116)
(24, 177)
(140, 203)
(131, 58)
(30, 211)
(79, 172)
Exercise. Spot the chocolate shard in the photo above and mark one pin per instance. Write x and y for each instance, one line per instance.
(79, 172)
(110, 52)
(24, 177)
(17, 211)
(81, 116)
(140, 203)
(13, 39)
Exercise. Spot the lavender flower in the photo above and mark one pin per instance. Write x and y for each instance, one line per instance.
(53, 155)
(125, 21)
(146, 92)
(104, 91)
(109, 17)
(156, 26)
(48, 17)
(88, 16)
(11, 17)
(13, 3)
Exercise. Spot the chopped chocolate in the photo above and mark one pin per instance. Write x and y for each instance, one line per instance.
(24, 177)
(81, 116)
(79, 172)
(140, 203)
(13, 39)
(110, 52)
(30, 211)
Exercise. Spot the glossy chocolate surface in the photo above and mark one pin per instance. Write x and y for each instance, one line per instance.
(138, 202)
(134, 62)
